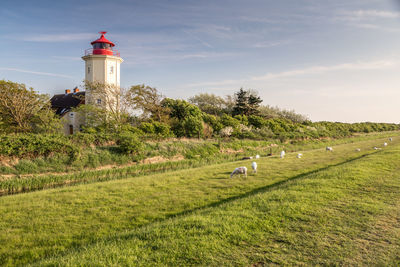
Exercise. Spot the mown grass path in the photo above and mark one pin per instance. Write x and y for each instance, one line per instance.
(42, 224)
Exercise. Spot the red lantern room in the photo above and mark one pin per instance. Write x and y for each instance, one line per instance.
(102, 46)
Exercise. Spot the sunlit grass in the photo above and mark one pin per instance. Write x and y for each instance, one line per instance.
(344, 215)
(41, 224)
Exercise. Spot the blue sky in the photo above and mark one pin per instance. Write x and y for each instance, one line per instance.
(336, 60)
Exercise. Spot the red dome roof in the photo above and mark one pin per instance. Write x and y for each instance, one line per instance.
(102, 39)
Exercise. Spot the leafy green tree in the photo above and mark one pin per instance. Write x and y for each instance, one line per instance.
(209, 103)
(227, 120)
(256, 121)
(148, 100)
(269, 112)
(213, 121)
(25, 110)
(186, 118)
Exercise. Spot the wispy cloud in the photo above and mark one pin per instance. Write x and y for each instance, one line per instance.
(323, 69)
(372, 65)
(371, 26)
(65, 37)
(369, 19)
(37, 72)
(198, 39)
(374, 14)
(268, 44)
(64, 58)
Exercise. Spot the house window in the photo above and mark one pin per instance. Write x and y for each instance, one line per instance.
(71, 129)
(71, 115)
(98, 101)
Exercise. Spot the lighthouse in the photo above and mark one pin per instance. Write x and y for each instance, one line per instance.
(102, 65)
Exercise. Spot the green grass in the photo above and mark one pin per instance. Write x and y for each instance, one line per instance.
(344, 215)
(199, 155)
(70, 220)
(94, 157)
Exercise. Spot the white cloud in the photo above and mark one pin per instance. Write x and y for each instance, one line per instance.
(37, 72)
(269, 44)
(375, 14)
(372, 65)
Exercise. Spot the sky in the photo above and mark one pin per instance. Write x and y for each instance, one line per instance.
(331, 60)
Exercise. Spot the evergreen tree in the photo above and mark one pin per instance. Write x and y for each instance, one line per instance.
(247, 103)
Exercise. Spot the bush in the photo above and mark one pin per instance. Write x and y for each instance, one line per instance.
(213, 121)
(227, 120)
(226, 132)
(129, 143)
(35, 145)
(83, 139)
(147, 127)
(162, 129)
(256, 121)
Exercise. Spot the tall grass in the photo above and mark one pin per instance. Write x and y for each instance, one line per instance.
(91, 158)
(38, 182)
(197, 155)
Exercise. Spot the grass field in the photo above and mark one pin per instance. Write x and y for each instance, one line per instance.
(326, 208)
(202, 153)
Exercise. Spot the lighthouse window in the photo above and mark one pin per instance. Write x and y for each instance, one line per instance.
(111, 69)
(101, 46)
(88, 69)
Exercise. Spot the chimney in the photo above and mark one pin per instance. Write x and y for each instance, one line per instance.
(67, 91)
(76, 90)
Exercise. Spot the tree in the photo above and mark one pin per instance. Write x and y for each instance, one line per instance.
(148, 100)
(269, 112)
(209, 103)
(187, 119)
(25, 110)
(229, 104)
(246, 103)
(254, 102)
(106, 105)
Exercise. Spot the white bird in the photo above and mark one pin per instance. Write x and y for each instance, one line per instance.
(328, 148)
(385, 144)
(254, 166)
(239, 171)
(257, 156)
(358, 149)
(376, 148)
(299, 155)
(283, 154)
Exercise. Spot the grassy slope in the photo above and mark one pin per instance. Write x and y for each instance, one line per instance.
(201, 151)
(344, 215)
(40, 224)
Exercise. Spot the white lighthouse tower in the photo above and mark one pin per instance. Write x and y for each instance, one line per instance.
(102, 65)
